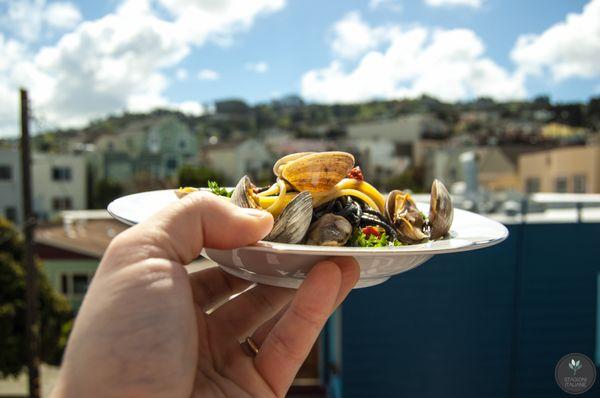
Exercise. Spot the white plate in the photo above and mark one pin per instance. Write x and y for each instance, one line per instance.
(286, 265)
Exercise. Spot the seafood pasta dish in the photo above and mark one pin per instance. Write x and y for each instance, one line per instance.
(322, 198)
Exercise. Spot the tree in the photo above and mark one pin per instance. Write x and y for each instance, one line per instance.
(55, 312)
(105, 192)
(190, 176)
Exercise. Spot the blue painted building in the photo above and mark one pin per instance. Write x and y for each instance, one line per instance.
(488, 323)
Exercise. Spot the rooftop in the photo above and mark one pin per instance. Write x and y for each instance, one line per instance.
(86, 236)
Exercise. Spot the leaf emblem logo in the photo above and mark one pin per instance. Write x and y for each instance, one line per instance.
(575, 366)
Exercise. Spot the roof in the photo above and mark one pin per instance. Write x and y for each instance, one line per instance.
(88, 237)
(404, 128)
(512, 152)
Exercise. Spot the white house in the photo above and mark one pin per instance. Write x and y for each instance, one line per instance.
(235, 158)
(388, 147)
(10, 185)
(59, 183)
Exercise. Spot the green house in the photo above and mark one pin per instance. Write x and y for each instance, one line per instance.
(156, 146)
(71, 250)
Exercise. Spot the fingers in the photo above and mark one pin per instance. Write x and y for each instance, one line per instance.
(289, 342)
(350, 274)
(179, 232)
(246, 312)
(213, 286)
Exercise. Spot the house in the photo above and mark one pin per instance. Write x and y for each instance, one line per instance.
(59, 182)
(157, 146)
(71, 250)
(389, 146)
(10, 185)
(497, 166)
(571, 169)
(560, 131)
(235, 158)
(281, 146)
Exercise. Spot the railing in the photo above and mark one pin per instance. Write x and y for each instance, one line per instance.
(579, 199)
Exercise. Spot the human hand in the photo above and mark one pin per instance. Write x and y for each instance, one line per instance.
(143, 329)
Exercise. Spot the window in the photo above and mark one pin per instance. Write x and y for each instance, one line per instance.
(62, 203)
(10, 213)
(182, 144)
(64, 284)
(61, 173)
(579, 185)
(75, 284)
(560, 184)
(171, 163)
(80, 283)
(5, 172)
(532, 185)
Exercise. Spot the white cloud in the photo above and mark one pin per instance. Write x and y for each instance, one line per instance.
(214, 20)
(181, 74)
(570, 48)
(190, 107)
(208, 74)
(62, 15)
(451, 3)
(352, 37)
(28, 19)
(392, 5)
(119, 61)
(449, 64)
(257, 67)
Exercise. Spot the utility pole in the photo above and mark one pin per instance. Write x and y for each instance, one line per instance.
(31, 277)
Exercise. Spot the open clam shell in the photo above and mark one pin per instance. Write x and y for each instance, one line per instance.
(243, 194)
(441, 211)
(406, 218)
(316, 172)
(293, 222)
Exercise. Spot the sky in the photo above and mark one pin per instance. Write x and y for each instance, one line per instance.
(81, 60)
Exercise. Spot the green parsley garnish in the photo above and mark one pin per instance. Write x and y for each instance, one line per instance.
(361, 240)
(217, 190)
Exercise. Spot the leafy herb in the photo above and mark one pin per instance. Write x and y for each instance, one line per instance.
(361, 240)
(424, 217)
(217, 190)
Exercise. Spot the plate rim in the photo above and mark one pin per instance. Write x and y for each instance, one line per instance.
(288, 248)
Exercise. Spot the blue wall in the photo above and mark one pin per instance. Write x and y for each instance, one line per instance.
(488, 323)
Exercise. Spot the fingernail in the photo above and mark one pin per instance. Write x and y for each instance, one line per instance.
(254, 212)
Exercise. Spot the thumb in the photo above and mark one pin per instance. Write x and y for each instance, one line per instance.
(198, 220)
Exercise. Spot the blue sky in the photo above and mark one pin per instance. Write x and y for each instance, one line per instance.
(296, 39)
(84, 59)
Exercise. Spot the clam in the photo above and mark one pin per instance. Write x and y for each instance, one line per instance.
(406, 218)
(441, 212)
(315, 172)
(243, 195)
(329, 230)
(278, 166)
(293, 222)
